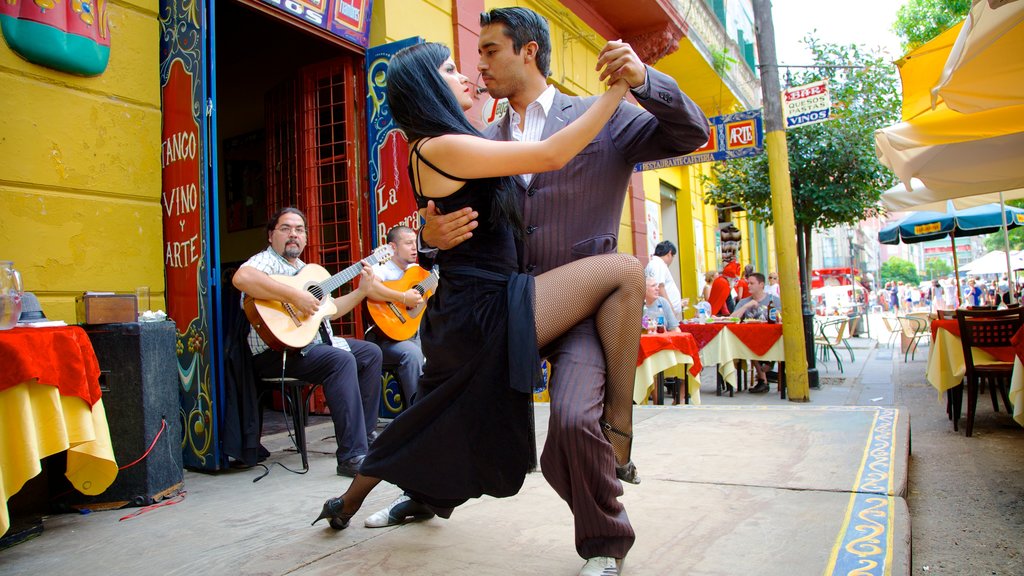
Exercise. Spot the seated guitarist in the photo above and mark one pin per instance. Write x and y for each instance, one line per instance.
(407, 354)
(348, 370)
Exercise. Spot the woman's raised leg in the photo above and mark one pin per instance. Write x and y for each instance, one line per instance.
(609, 287)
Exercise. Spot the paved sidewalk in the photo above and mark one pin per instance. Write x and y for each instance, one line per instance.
(745, 485)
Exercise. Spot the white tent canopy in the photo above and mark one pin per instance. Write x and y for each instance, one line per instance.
(995, 263)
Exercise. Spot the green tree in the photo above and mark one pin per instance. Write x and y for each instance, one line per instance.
(918, 21)
(937, 268)
(835, 175)
(995, 241)
(898, 270)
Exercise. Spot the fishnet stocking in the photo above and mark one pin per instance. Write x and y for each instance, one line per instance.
(609, 287)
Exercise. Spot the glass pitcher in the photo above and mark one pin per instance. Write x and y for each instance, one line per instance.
(10, 295)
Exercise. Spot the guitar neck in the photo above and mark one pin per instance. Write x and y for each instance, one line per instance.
(334, 282)
(428, 284)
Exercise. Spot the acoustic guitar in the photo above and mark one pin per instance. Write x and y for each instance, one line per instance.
(394, 319)
(284, 328)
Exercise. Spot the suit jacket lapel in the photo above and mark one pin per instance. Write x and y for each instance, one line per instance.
(558, 116)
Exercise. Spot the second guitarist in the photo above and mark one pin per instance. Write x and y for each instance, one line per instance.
(407, 354)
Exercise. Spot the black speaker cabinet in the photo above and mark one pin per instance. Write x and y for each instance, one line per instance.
(138, 378)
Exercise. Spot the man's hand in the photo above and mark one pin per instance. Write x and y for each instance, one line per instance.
(411, 298)
(620, 62)
(446, 231)
(366, 280)
(305, 302)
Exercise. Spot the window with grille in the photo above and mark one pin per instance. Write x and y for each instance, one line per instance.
(313, 125)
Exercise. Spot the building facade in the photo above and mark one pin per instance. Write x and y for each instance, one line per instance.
(161, 170)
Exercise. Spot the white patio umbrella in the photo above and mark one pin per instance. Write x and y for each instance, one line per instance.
(922, 198)
(948, 150)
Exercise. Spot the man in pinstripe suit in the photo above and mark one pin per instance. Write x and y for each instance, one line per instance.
(570, 214)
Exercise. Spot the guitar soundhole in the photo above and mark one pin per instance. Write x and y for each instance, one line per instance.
(316, 291)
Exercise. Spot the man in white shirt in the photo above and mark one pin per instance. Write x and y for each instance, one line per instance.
(657, 268)
(407, 354)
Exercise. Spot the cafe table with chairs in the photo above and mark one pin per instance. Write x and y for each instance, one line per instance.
(979, 347)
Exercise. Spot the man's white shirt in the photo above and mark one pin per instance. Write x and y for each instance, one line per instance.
(535, 118)
(658, 270)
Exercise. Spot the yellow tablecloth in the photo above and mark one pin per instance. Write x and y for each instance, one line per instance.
(35, 422)
(1017, 391)
(726, 347)
(946, 365)
(659, 362)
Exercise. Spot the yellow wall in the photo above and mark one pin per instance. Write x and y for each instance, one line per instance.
(80, 176)
(394, 20)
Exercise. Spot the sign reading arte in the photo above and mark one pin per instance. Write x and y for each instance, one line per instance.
(807, 104)
(180, 154)
(732, 136)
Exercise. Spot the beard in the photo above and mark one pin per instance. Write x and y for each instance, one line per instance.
(292, 250)
(510, 87)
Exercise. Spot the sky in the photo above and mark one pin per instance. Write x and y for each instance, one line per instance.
(867, 22)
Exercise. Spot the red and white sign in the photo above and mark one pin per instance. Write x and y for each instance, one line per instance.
(807, 104)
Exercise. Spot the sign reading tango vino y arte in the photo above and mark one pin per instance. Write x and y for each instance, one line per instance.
(348, 19)
(731, 136)
(180, 156)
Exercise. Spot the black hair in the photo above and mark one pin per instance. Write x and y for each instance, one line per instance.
(395, 231)
(665, 247)
(272, 223)
(758, 275)
(523, 26)
(424, 106)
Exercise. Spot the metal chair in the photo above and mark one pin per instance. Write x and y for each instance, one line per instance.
(831, 333)
(893, 326)
(293, 396)
(914, 329)
(984, 329)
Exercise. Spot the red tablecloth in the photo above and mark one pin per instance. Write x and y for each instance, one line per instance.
(1003, 354)
(758, 337)
(950, 326)
(681, 341)
(1018, 343)
(58, 356)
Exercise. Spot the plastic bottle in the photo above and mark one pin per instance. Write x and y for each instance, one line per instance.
(772, 312)
(703, 310)
(661, 319)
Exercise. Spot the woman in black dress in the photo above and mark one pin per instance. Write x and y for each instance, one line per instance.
(470, 430)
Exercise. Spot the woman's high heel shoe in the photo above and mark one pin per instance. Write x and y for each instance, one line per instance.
(626, 472)
(333, 512)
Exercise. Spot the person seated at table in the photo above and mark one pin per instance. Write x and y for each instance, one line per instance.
(741, 288)
(721, 289)
(657, 267)
(756, 307)
(709, 277)
(651, 301)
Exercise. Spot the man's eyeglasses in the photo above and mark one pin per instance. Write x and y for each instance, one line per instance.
(286, 229)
